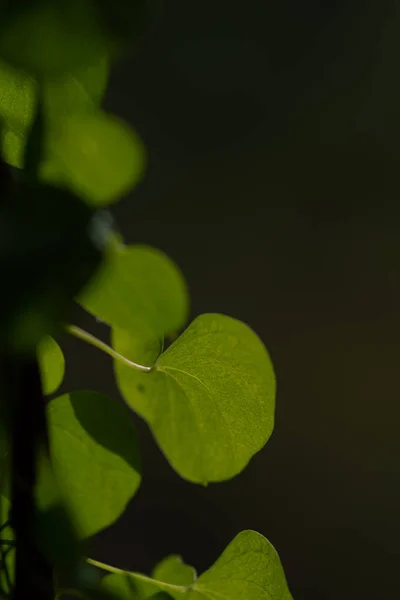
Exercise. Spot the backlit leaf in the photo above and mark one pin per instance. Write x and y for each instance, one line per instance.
(52, 364)
(96, 155)
(209, 400)
(95, 457)
(248, 568)
(139, 289)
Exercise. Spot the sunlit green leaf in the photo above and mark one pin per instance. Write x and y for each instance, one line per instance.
(52, 364)
(50, 37)
(95, 457)
(138, 289)
(248, 568)
(96, 155)
(210, 399)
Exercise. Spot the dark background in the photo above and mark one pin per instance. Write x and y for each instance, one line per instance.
(273, 138)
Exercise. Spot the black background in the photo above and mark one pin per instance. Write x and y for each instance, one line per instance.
(273, 139)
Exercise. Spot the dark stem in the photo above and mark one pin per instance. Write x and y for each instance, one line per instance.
(28, 433)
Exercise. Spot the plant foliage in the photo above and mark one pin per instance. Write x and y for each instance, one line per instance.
(209, 398)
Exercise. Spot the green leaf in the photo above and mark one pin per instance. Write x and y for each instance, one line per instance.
(248, 568)
(173, 570)
(95, 457)
(138, 289)
(123, 587)
(79, 90)
(96, 155)
(52, 364)
(209, 400)
(17, 108)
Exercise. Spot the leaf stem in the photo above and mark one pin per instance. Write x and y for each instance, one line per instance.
(139, 577)
(94, 341)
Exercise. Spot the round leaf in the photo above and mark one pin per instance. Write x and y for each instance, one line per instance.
(52, 364)
(138, 289)
(248, 568)
(209, 400)
(96, 155)
(95, 457)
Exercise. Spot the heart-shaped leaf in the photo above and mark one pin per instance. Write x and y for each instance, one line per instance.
(249, 568)
(52, 364)
(140, 289)
(209, 399)
(95, 457)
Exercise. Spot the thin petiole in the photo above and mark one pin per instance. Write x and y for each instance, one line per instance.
(138, 576)
(91, 339)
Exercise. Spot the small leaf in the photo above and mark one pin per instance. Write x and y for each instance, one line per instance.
(172, 569)
(140, 290)
(210, 399)
(96, 155)
(248, 568)
(52, 364)
(95, 457)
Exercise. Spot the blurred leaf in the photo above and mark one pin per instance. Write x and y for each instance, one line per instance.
(52, 364)
(95, 457)
(248, 568)
(79, 90)
(139, 289)
(47, 37)
(124, 587)
(17, 108)
(55, 530)
(210, 399)
(96, 155)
